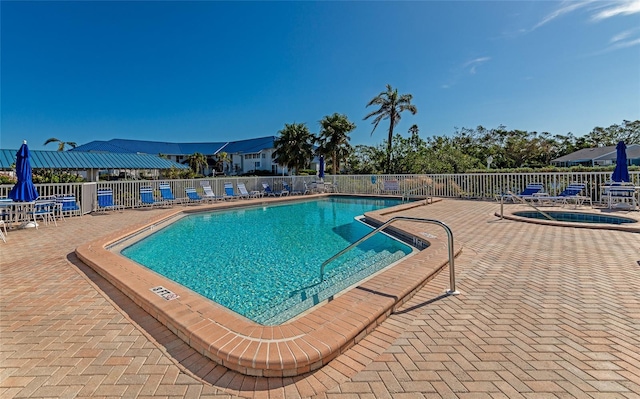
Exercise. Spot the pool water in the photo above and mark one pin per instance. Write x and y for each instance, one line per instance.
(575, 217)
(264, 262)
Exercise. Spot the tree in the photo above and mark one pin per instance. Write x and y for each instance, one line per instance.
(223, 159)
(391, 107)
(294, 146)
(334, 138)
(61, 144)
(197, 162)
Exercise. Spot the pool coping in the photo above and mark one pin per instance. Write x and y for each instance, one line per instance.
(510, 210)
(304, 344)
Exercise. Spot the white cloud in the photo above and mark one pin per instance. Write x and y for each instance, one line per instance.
(625, 7)
(598, 11)
(629, 43)
(566, 7)
(473, 64)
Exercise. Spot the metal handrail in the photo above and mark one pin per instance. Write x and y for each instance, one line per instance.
(452, 277)
(406, 193)
(524, 202)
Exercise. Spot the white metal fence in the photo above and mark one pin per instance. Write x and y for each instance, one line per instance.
(471, 186)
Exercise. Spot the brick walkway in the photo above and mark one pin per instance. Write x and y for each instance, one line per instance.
(544, 312)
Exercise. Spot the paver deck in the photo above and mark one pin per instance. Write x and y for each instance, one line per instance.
(544, 311)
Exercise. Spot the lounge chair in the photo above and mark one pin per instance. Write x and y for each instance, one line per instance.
(229, 193)
(209, 195)
(246, 194)
(147, 199)
(288, 188)
(532, 192)
(573, 193)
(192, 195)
(167, 194)
(105, 201)
(266, 190)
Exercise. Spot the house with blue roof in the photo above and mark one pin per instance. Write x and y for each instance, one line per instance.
(245, 156)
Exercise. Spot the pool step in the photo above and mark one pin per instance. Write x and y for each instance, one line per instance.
(336, 279)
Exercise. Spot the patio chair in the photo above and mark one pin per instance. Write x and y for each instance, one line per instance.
(67, 204)
(531, 192)
(147, 199)
(229, 193)
(288, 188)
(4, 226)
(266, 190)
(572, 193)
(192, 195)
(246, 194)
(617, 193)
(105, 201)
(45, 210)
(209, 195)
(167, 194)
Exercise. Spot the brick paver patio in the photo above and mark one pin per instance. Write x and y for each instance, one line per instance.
(544, 311)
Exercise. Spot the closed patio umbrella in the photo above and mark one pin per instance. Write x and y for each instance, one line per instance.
(24, 190)
(621, 172)
(321, 171)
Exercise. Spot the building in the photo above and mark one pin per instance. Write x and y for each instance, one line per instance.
(245, 156)
(600, 156)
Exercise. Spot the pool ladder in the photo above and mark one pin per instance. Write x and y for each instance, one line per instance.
(452, 274)
(522, 200)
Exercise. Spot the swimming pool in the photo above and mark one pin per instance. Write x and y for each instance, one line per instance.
(264, 262)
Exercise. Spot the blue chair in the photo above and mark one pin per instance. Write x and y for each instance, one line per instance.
(288, 189)
(105, 201)
(45, 210)
(531, 191)
(147, 199)
(573, 193)
(270, 193)
(67, 204)
(192, 195)
(229, 193)
(167, 194)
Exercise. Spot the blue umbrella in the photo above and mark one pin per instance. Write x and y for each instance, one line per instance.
(321, 171)
(24, 190)
(621, 172)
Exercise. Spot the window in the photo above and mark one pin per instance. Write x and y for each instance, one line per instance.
(256, 164)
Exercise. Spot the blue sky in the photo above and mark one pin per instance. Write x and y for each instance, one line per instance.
(218, 71)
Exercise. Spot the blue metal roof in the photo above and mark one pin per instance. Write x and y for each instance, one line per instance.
(77, 160)
(159, 147)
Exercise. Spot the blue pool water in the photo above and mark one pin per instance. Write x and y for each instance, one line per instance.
(264, 262)
(575, 217)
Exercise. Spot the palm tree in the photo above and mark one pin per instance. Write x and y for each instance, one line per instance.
(61, 143)
(294, 146)
(334, 138)
(197, 162)
(223, 158)
(391, 106)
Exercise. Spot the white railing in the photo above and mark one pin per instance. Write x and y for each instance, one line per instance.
(471, 186)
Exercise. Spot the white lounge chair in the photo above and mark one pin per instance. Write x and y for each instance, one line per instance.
(246, 194)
